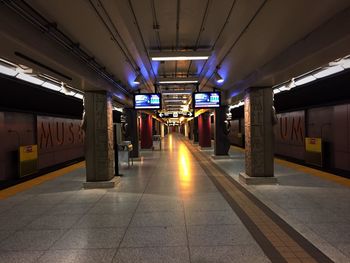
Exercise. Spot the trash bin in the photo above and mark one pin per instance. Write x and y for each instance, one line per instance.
(124, 149)
(157, 142)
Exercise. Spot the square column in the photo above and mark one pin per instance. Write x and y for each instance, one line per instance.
(162, 131)
(204, 130)
(132, 131)
(146, 131)
(195, 130)
(221, 141)
(99, 153)
(259, 139)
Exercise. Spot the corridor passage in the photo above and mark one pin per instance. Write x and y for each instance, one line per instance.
(165, 208)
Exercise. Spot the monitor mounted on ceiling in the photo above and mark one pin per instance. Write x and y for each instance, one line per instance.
(202, 100)
(147, 101)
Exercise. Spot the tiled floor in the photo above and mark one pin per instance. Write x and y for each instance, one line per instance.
(165, 209)
(315, 207)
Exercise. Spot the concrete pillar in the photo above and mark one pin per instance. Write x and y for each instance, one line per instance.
(186, 129)
(259, 138)
(99, 153)
(132, 131)
(162, 130)
(146, 131)
(221, 141)
(195, 130)
(204, 130)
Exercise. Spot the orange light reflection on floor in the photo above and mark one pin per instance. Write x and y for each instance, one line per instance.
(170, 140)
(184, 168)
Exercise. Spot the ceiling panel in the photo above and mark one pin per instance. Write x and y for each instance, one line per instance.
(88, 31)
(269, 35)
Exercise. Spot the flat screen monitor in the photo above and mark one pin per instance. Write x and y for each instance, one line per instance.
(147, 101)
(206, 100)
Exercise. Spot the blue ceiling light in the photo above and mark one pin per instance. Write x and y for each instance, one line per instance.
(138, 79)
(218, 78)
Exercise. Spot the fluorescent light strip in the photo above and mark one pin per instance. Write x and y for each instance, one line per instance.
(328, 71)
(175, 100)
(177, 81)
(79, 96)
(275, 91)
(177, 93)
(52, 86)
(305, 80)
(8, 71)
(30, 78)
(346, 63)
(180, 58)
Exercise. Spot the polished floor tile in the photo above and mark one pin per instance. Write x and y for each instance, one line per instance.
(152, 255)
(78, 256)
(53, 222)
(219, 235)
(228, 254)
(165, 209)
(158, 219)
(104, 221)
(155, 237)
(90, 238)
(20, 256)
(31, 240)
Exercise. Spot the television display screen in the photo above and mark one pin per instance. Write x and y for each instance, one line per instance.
(206, 100)
(147, 101)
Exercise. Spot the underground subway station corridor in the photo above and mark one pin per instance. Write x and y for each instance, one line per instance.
(174, 131)
(175, 206)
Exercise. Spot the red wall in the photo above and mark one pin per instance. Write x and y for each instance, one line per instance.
(59, 140)
(146, 131)
(204, 130)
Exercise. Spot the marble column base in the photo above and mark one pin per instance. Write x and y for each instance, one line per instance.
(206, 148)
(101, 184)
(221, 157)
(258, 180)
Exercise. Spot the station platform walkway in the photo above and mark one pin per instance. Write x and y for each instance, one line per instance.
(178, 205)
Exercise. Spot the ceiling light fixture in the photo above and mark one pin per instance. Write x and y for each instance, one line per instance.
(138, 79)
(328, 71)
(30, 78)
(175, 93)
(191, 80)
(179, 55)
(304, 80)
(177, 81)
(218, 78)
(10, 71)
(52, 86)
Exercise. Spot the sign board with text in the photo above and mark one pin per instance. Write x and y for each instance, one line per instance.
(185, 114)
(28, 159)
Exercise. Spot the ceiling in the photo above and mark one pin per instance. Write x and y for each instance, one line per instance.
(252, 42)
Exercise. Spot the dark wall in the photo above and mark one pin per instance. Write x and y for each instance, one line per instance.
(331, 123)
(236, 134)
(22, 96)
(15, 129)
(290, 134)
(30, 114)
(59, 140)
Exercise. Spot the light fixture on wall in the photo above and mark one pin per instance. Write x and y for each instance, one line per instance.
(179, 55)
(138, 79)
(218, 78)
(189, 80)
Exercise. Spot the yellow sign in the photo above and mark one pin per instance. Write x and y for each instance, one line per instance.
(313, 145)
(28, 153)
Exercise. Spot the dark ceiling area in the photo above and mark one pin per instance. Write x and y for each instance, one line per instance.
(104, 44)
